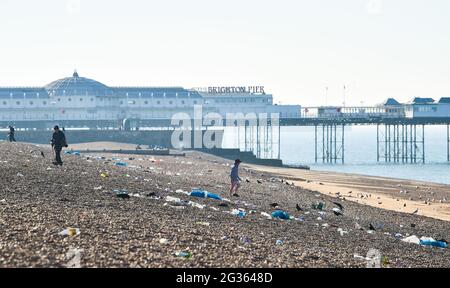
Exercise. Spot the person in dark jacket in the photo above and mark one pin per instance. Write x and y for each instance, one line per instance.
(11, 134)
(58, 142)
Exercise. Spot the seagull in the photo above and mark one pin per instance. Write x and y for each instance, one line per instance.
(298, 208)
(415, 212)
(371, 227)
(42, 154)
(339, 205)
(246, 180)
(337, 212)
(274, 205)
(259, 181)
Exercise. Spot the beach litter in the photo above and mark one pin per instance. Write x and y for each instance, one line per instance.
(120, 164)
(342, 232)
(281, 215)
(72, 153)
(318, 206)
(98, 188)
(239, 212)
(122, 193)
(279, 242)
(267, 215)
(412, 239)
(176, 201)
(70, 232)
(163, 241)
(205, 194)
(428, 241)
(183, 254)
(245, 240)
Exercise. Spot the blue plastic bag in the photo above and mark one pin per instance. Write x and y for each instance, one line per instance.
(123, 164)
(281, 215)
(439, 244)
(205, 194)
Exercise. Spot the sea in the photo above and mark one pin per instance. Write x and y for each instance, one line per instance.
(297, 148)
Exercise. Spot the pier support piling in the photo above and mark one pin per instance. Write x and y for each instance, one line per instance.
(404, 142)
(332, 143)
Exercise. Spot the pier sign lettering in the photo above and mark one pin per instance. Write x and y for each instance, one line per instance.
(233, 89)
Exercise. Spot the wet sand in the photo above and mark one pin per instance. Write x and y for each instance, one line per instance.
(430, 199)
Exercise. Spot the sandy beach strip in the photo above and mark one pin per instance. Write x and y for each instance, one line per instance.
(428, 199)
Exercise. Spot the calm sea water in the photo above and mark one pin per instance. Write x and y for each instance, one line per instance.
(297, 147)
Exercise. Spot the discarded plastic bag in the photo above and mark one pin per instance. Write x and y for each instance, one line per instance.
(239, 213)
(280, 215)
(412, 239)
(183, 254)
(122, 193)
(70, 232)
(121, 164)
(205, 194)
(433, 243)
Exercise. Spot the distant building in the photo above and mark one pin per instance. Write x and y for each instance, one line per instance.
(79, 101)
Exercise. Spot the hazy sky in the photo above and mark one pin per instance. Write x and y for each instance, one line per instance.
(377, 48)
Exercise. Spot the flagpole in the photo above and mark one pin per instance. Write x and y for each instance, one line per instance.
(344, 95)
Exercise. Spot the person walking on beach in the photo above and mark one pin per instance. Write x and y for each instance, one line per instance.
(58, 142)
(11, 134)
(235, 179)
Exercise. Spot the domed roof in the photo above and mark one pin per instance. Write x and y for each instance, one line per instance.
(77, 85)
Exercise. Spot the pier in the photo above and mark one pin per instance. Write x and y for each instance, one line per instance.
(400, 139)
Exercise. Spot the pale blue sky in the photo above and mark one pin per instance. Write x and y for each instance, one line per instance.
(378, 48)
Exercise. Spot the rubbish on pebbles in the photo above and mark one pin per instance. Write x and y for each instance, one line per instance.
(70, 232)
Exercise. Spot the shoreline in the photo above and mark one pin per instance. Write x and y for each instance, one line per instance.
(380, 192)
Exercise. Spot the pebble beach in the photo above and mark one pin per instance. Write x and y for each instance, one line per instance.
(159, 224)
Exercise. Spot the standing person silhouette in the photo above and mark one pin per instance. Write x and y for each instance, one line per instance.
(11, 134)
(235, 179)
(58, 142)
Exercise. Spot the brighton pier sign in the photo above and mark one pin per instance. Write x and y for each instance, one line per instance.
(233, 90)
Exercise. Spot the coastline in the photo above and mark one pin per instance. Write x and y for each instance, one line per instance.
(380, 192)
